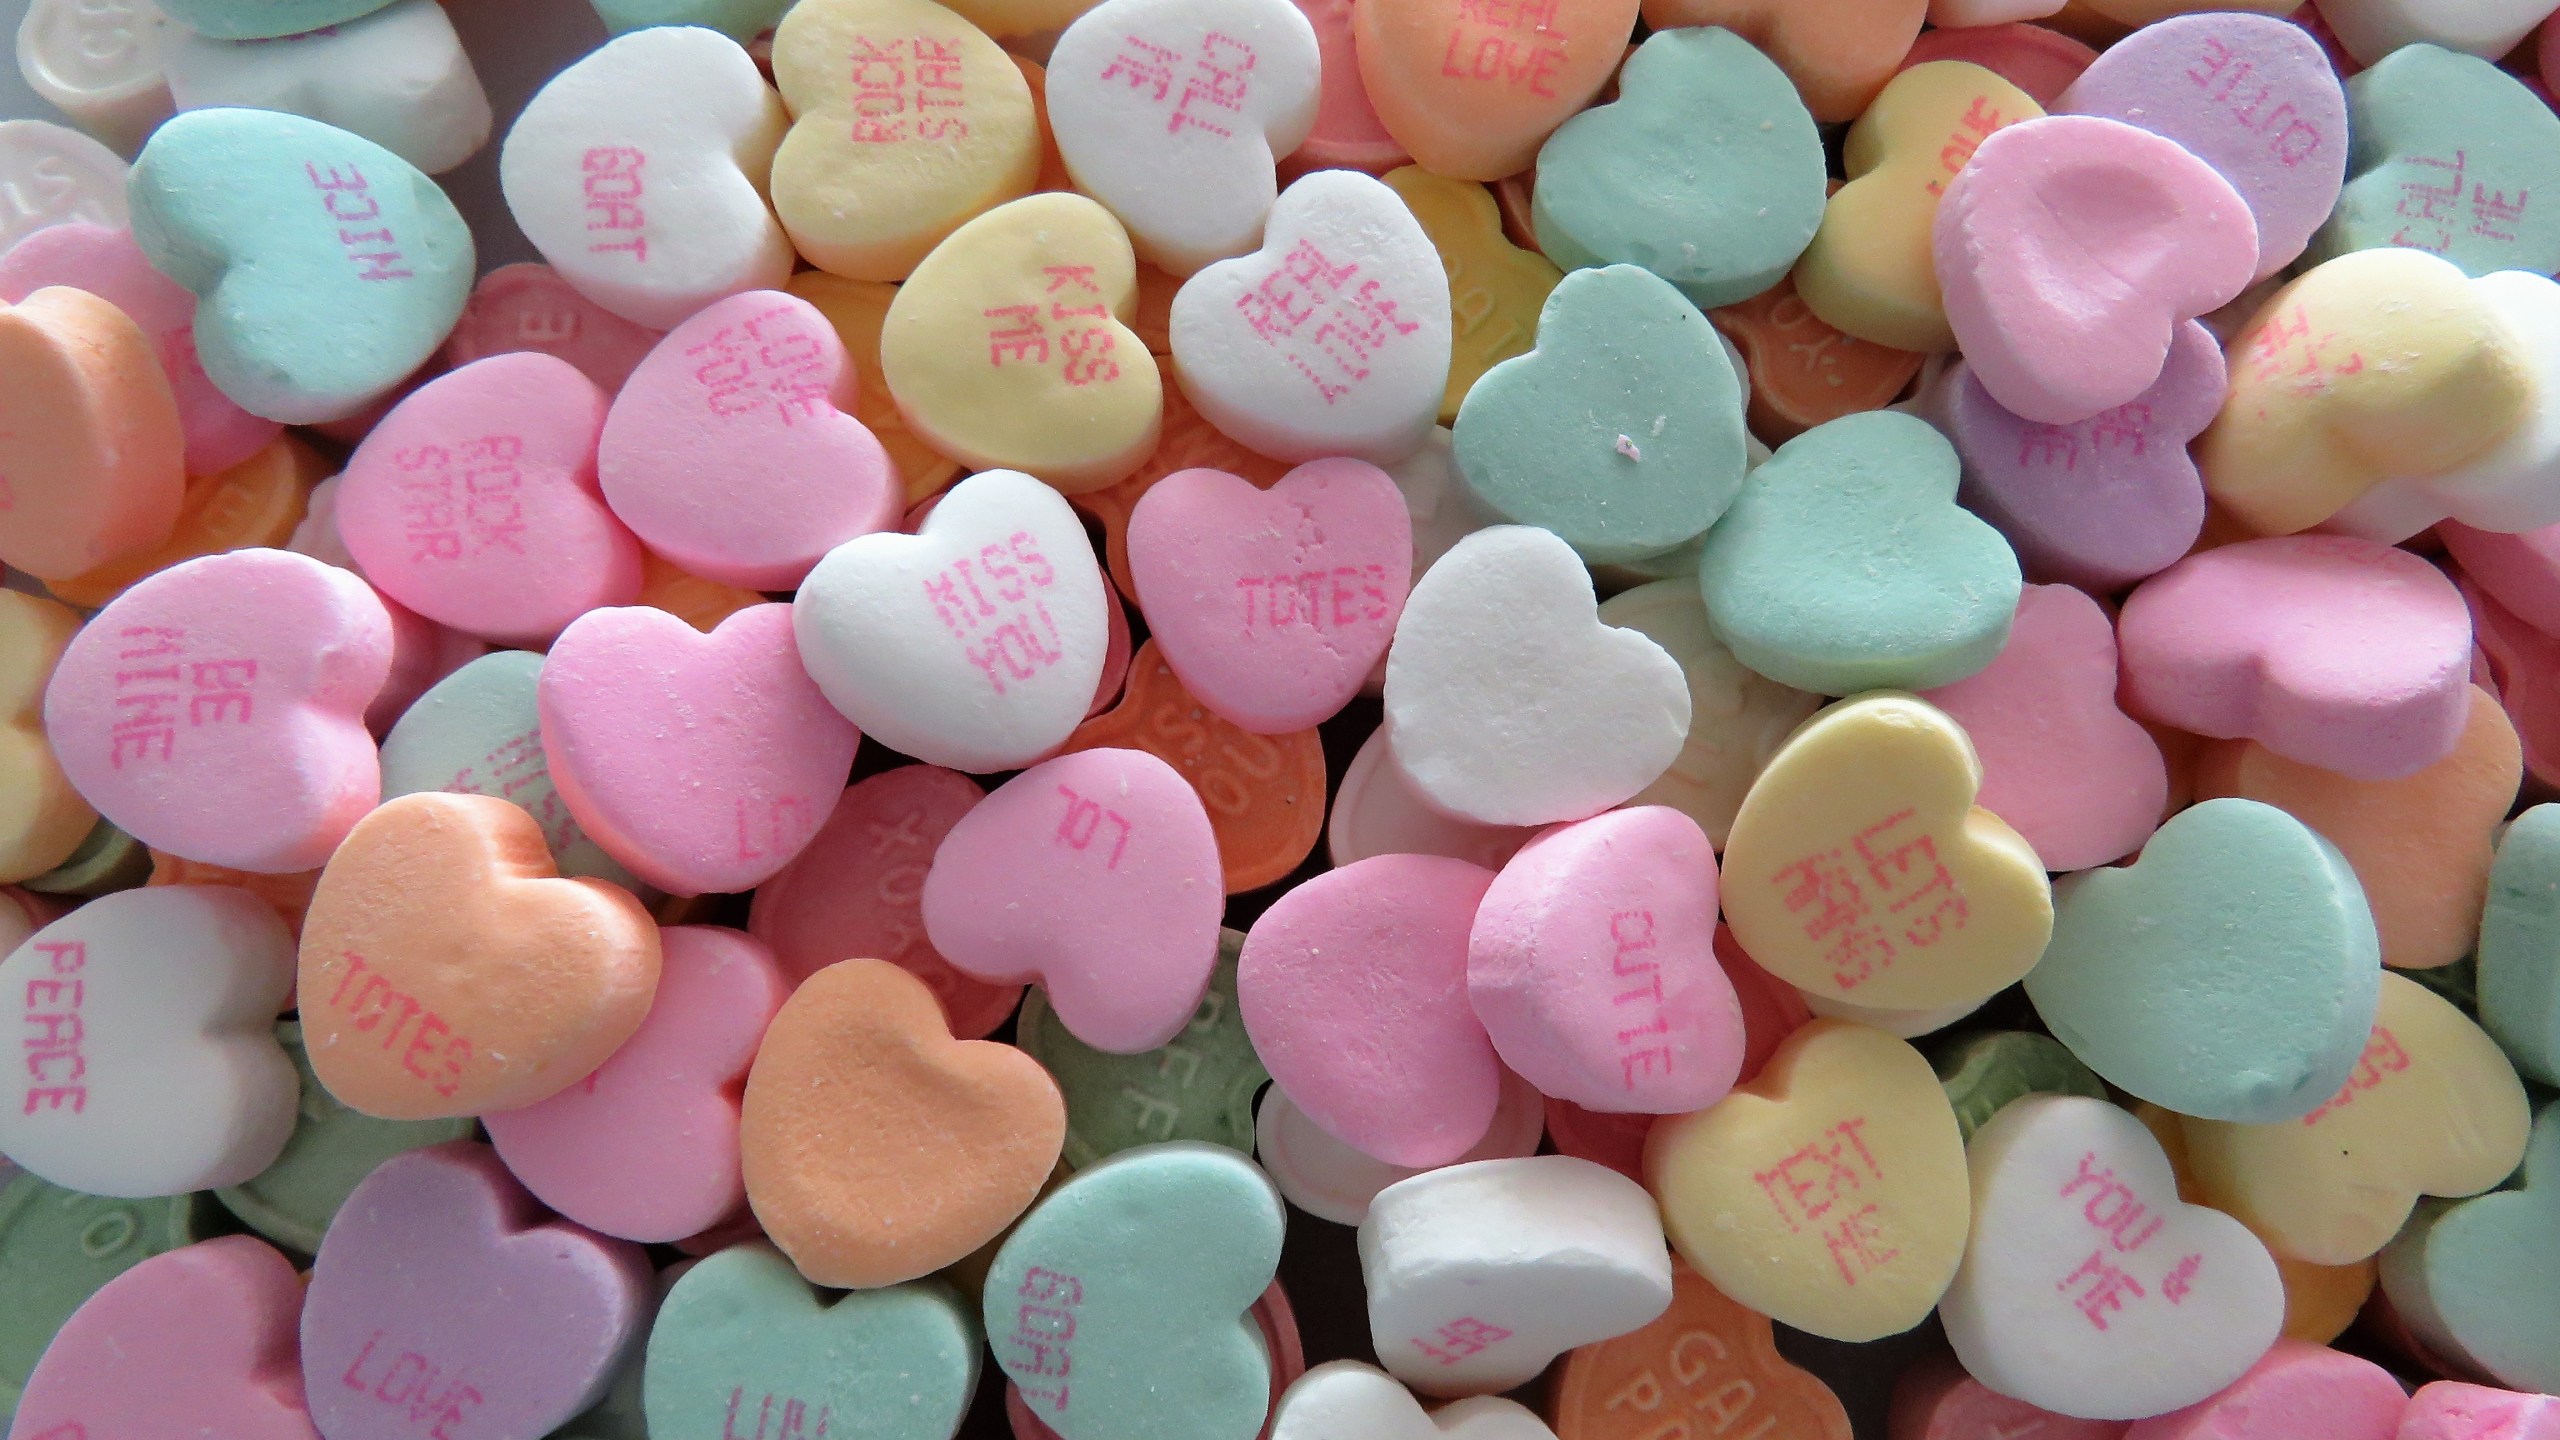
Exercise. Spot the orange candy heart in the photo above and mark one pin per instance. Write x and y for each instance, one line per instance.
(448, 970)
(92, 462)
(878, 1148)
(1706, 1361)
(1839, 52)
(1473, 87)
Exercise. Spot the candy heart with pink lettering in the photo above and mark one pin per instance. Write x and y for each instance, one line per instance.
(216, 709)
(2336, 652)
(646, 1147)
(1095, 874)
(444, 1299)
(475, 502)
(216, 1321)
(2076, 777)
(702, 762)
(2070, 247)
(754, 389)
(1592, 965)
(1272, 606)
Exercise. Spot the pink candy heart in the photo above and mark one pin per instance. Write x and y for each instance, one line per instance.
(753, 390)
(216, 709)
(701, 762)
(2070, 247)
(475, 502)
(1097, 875)
(646, 1148)
(1272, 606)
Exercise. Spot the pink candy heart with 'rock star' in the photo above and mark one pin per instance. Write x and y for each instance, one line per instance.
(216, 709)
(475, 502)
(2070, 248)
(1272, 606)
(1592, 965)
(752, 389)
(2336, 652)
(215, 1322)
(702, 762)
(1095, 874)
(646, 1148)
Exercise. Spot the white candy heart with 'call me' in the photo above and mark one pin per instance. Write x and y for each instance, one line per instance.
(2088, 1287)
(1510, 703)
(975, 643)
(1346, 1400)
(397, 77)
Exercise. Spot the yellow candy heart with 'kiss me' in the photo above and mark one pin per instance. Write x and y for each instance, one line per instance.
(42, 819)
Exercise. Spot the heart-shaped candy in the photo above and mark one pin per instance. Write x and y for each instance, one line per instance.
(216, 710)
(90, 440)
(82, 179)
(1828, 1192)
(103, 68)
(1346, 1398)
(1376, 811)
(974, 643)
(398, 1333)
(2370, 30)
(756, 387)
(2511, 658)
(878, 1149)
(1838, 52)
(328, 268)
(2295, 1389)
(2336, 652)
(1095, 874)
(2446, 144)
(742, 1335)
(398, 77)
(1936, 1400)
(42, 818)
(2231, 973)
(2453, 1410)
(1509, 703)
(1471, 92)
(475, 502)
(445, 910)
(1333, 1181)
(527, 306)
(1706, 1355)
(1319, 565)
(1802, 372)
(1860, 868)
(2519, 932)
(1495, 287)
(1354, 989)
(1200, 1085)
(2475, 1280)
(2089, 1288)
(646, 1148)
(266, 19)
(859, 309)
(2070, 248)
(1118, 1305)
(259, 502)
(151, 1066)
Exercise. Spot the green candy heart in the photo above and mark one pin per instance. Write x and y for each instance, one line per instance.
(1984, 1071)
(740, 20)
(1846, 565)
(2230, 973)
(1621, 432)
(2519, 958)
(1706, 170)
(332, 1148)
(1118, 1305)
(2445, 151)
(744, 1343)
(58, 1246)
(1200, 1086)
(2478, 1280)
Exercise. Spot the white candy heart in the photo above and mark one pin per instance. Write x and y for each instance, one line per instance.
(1510, 703)
(2088, 1287)
(1377, 812)
(53, 175)
(1331, 1180)
(2371, 29)
(99, 62)
(652, 209)
(397, 77)
(1481, 1274)
(1173, 114)
(1444, 511)
(1332, 339)
(975, 643)
(1346, 1400)
(147, 1033)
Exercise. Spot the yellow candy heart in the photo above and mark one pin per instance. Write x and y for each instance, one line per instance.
(2433, 1108)
(256, 502)
(1495, 287)
(858, 309)
(42, 819)
(1010, 347)
(1870, 271)
(2378, 364)
(1829, 1193)
(2320, 1301)
(1859, 868)
(906, 121)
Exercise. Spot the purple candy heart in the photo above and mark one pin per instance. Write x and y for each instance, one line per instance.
(2252, 96)
(445, 1302)
(2102, 503)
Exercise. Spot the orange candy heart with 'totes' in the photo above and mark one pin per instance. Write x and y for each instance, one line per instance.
(447, 969)
(878, 1148)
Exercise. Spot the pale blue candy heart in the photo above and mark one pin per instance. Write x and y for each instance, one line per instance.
(740, 20)
(264, 19)
(327, 269)
(2231, 973)
(1118, 1305)
(1621, 432)
(746, 1348)
(1706, 170)
(2450, 155)
(2478, 1280)
(2519, 958)
(476, 732)
(1846, 565)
